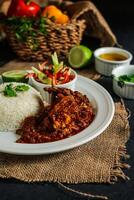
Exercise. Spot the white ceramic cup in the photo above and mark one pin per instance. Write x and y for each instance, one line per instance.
(126, 89)
(46, 96)
(104, 66)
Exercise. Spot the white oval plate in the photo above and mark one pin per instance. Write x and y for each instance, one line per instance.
(104, 109)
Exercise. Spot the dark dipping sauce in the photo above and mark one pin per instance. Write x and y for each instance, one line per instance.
(113, 56)
(70, 113)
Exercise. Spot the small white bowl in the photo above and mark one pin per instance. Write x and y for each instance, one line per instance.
(46, 96)
(105, 67)
(126, 89)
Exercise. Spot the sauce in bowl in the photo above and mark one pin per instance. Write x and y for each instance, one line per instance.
(113, 56)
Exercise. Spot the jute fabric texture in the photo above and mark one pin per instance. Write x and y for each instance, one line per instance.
(98, 161)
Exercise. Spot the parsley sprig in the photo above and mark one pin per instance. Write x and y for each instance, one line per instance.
(11, 91)
(26, 29)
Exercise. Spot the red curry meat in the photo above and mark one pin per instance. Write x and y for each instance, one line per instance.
(70, 113)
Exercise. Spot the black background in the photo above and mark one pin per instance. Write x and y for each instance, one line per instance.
(120, 16)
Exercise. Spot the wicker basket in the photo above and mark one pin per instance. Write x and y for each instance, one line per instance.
(59, 38)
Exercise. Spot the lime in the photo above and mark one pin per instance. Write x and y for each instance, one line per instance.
(14, 76)
(79, 56)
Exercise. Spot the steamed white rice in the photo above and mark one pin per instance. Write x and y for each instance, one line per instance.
(13, 110)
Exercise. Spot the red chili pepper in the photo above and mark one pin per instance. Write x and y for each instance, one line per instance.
(20, 8)
(66, 78)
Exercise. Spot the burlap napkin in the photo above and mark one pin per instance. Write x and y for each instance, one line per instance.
(96, 25)
(98, 161)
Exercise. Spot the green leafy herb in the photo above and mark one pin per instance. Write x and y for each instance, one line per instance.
(120, 84)
(9, 91)
(42, 25)
(21, 88)
(26, 29)
(127, 78)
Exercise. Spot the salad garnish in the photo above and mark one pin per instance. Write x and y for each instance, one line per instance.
(11, 91)
(127, 78)
(54, 73)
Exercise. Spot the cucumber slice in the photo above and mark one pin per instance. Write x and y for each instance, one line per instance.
(15, 76)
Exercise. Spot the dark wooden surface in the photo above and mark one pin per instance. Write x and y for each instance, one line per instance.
(120, 16)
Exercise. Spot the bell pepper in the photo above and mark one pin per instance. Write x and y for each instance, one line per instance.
(21, 8)
(52, 11)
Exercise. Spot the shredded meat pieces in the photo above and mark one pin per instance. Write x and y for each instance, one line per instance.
(69, 113)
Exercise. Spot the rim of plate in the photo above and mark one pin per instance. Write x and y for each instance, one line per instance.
(104, 114)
